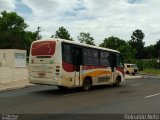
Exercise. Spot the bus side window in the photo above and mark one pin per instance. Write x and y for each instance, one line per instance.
(104, 58)
(90, 57)
(119, 61)
(66, 53)
(86, 56)
(94, 57)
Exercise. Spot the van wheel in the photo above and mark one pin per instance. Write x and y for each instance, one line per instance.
(86, 84)
(133, 73)
(62, 87)
(127, 72)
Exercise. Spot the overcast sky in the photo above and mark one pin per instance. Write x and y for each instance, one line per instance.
(101, 18)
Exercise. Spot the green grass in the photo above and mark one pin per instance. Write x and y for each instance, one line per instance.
(151, 71)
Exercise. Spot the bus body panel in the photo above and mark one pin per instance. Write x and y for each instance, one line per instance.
(98, 75)
(43, 66)
(51, 69)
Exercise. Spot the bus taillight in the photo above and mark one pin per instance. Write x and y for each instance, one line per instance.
(57, 70)
(57, 66)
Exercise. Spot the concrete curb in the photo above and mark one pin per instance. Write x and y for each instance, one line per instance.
(128, 77)
(150, 74)
(15, 88)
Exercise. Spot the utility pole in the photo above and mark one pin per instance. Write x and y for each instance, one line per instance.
(158, 63)
(158, 59)
(38, 31)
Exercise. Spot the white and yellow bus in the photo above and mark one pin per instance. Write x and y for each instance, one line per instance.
(68, 64)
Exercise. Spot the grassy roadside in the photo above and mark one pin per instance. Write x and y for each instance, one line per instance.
(151, 71)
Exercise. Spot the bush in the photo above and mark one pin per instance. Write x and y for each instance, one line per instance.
(144, 63)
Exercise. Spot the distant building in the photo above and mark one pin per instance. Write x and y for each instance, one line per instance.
(12, 58)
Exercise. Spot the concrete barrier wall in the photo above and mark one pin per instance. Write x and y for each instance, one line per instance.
(12, 74)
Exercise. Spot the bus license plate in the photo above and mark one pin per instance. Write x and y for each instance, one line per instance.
(41, 75)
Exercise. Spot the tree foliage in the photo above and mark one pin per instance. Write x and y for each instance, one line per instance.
(149, 52)
(86, 38)
(12, 22)
(62, 33)
(152, 51)
(157, 49)
(29, 37)
(120, 45)
(12, 32)
(12, 29)
(112, 42)
(137, 43)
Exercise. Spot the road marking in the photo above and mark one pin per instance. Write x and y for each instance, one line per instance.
(152, 95)
(135, 84)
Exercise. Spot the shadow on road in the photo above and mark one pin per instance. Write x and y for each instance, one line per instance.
(57, 92)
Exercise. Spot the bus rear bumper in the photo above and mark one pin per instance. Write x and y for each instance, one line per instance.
(42, 81)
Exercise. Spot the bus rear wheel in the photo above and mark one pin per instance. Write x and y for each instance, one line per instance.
(117, 83)
(86, 84)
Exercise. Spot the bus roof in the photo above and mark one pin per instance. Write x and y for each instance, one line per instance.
(73, 42)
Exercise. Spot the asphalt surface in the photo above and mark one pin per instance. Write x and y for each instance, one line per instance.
(133, 96)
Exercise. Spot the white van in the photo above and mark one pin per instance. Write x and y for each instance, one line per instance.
(131, 68)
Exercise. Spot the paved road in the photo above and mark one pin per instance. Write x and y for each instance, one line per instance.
(133, 96)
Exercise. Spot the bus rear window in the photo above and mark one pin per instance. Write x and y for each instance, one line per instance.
(45, 48)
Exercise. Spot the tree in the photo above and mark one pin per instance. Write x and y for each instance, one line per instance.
(112, 42)
(29, 37)
(12, 29)
(86, 38)
(120, 45)
(63, 34)
(12, 32)
(150, 52)
(137, 43)
(12, 22)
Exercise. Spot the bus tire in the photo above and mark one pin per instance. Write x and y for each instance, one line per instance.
(117, 83)
(62, 87)
(87, 84)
